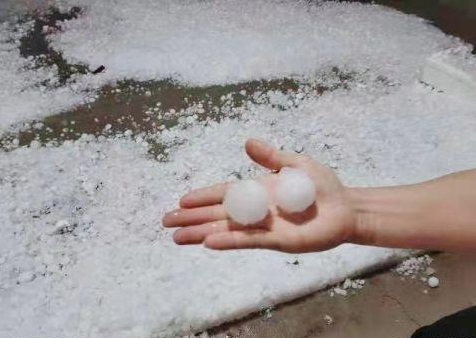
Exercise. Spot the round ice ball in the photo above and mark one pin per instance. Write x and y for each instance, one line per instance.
(246, 202)
(295, 191)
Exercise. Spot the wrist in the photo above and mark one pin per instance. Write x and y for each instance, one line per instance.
(365, 220)
(390, 216)
(434, 215)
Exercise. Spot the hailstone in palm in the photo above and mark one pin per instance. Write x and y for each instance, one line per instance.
(295, 191)
(246, 202)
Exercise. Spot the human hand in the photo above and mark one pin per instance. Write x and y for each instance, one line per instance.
(329, 222)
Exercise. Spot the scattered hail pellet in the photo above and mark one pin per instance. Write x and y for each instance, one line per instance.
(413, 265)
(295, 191)
(433, 282)
(328, 319)
(338, 291)
(246, 202)
(267, 313)
(346, 286)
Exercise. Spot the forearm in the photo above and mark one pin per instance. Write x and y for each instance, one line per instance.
(437, 215)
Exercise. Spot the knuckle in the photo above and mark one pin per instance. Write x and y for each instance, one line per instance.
(305, 159)
(273, 156)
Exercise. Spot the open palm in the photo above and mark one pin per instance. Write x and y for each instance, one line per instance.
(327, 223)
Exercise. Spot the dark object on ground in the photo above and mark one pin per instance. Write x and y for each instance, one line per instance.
(100, 69)
(459, 325)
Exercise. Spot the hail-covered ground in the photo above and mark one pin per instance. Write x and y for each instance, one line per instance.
(82, 192)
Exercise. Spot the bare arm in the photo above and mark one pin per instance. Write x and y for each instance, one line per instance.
(439, 214)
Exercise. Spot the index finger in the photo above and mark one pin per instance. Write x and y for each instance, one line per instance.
(204, 196)
(269, 156)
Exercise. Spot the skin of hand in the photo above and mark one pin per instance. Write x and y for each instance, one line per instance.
(330, 221)
(436, 215)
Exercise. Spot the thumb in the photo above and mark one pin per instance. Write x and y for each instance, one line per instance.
(269, 156)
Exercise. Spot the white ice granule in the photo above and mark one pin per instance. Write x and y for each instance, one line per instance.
(26, 277)
(433, 282)
(328, 319)
(346, 286)
(413, 265)
(295, 191)
(339, 291)
(246, 202)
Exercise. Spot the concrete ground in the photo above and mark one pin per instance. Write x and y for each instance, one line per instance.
(388, 306)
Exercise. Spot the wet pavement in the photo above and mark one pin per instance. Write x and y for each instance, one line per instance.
(388, 306)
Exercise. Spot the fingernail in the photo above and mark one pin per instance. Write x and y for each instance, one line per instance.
(176, 237)
(168, 218)
(172, 213)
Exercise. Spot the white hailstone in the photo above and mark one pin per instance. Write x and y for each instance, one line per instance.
(347, 284)
(246, 202)
(328, 319)
(433, 282)
(34, 144)
(25, 277)
(295, 191)
(340, 292)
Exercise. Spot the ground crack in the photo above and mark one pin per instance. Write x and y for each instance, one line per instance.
(409, 316)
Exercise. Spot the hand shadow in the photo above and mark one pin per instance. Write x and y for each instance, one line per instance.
(300, 218)
(265, 224)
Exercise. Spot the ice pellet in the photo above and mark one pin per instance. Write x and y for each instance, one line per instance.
(295, 191)
(246, 202)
